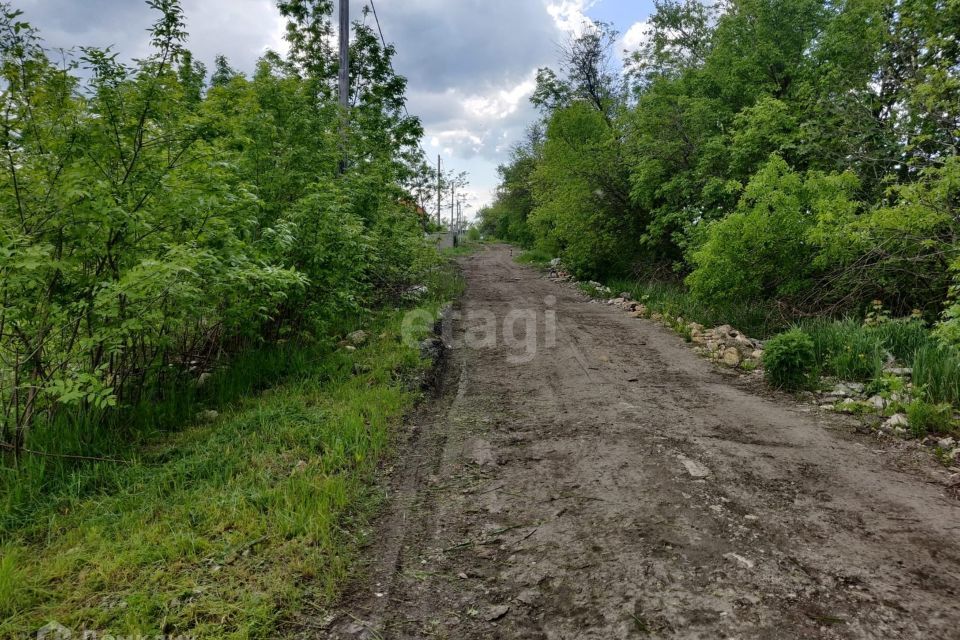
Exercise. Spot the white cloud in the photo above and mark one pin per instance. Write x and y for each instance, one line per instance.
(569, 15)
(636, 36)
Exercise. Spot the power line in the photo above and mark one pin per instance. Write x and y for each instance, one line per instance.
(383, 41)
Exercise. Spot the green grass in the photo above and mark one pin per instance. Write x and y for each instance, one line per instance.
(927, 418)
(936, 370)
(846, 349)
(221, 529)
(904, 338)
(464, 248)
(534, 257)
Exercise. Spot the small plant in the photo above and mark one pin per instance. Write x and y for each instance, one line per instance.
(876, 314)
(789, 360)
(929, 418)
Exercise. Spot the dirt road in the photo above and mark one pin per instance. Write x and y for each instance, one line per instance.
(619, 486)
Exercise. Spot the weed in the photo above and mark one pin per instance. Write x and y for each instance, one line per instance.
(929, 418)
(214, 529)
(535, 257)
(846, 349)
(936, 368)
(789, 361)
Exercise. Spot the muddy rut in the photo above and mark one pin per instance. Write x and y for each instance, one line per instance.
(619, 486)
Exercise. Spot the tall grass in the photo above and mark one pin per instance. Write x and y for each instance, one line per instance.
(214, 528)
(535, 257)
(936, 369)
(904, 338)
(846, 349)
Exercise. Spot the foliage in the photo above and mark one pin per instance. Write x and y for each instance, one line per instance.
(789, 360)
(798, 154)
(927, 418)
(228, 528)
(936, 372)
(846, 349)
(151, 223)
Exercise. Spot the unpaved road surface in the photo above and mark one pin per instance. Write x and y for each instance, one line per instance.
(619, 486)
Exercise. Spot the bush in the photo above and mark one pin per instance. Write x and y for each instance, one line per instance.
(789, 360)
(929, 418)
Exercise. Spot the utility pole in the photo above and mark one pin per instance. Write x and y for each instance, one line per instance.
(453, 201)
(439, 191)
(345, 54)
(344, 80)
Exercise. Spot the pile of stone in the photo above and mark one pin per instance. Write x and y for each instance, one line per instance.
(886, 409)
(726, 345)
(558, 273)
(852, 397)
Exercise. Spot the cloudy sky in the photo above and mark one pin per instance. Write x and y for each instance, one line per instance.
(470, 63)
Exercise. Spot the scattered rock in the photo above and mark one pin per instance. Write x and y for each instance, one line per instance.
(416, 292)
(896, 421)
(878, 402)
(946, 443)
(208, 416)
(694, 468)
(732, 357)
(740, 560)
(204, 378)
(625, 295)
(358, 338)
(495, 613)
(902, 372)
(431, 349)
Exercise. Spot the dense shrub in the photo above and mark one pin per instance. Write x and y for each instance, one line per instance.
(150, 222)
(789, 360)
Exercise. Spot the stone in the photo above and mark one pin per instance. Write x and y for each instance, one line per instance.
(732, 357)
(204, 378)
(746, 563)
(495, 613)
(417, 291)
(208, 416)
(748, 600)
(745, 341)
(878, 402)
(625, 295)
(903, 372)
(431, 349)
(946, 443)
(757, 354)
(896, 420)
(358, 338)
(694, 468)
